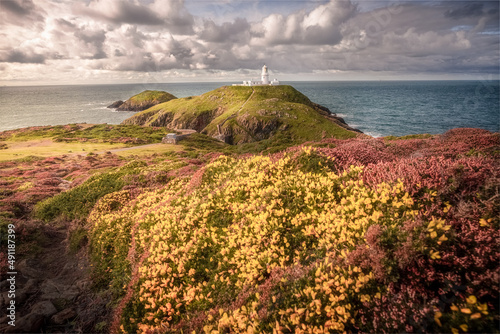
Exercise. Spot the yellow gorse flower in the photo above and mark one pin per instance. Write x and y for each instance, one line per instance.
(249, 220)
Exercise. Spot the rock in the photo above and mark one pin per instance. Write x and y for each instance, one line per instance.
(115, 104)
(19, 299)
(30, 323)
(340, 121)
(52, 289)
(82, 284)
(45, 308)
(26, 268)
(321, 109)
(4, 284)
(63, 316)
(30, 287)
(4, 299)
(69, 268)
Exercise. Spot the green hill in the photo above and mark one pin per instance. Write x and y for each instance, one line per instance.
(247, 114)
(145, 100)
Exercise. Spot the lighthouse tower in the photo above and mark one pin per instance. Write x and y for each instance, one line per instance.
(264, 80)
(265, 75)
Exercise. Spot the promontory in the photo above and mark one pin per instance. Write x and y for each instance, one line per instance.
(238, 115)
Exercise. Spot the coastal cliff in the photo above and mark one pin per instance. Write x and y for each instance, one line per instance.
(241, 115)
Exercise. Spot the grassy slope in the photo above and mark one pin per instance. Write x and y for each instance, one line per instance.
(283, 105)
(49, 149)
(80, 138)
(228, 98)
(152, 95)
(99, 133)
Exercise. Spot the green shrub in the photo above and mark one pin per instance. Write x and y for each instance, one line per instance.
(79, 201)
(77, 239)
(132, 134)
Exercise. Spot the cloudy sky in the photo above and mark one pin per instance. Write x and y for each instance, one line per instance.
(125, 41)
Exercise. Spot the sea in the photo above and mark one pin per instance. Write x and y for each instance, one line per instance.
(377, 108)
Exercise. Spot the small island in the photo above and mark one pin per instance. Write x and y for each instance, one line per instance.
(142, 101)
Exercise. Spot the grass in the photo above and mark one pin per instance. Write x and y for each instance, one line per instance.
(80, 139)
(38, 149)
(229, 99)
(152, 95)
(132, 134)
(149, 150)
(47, 148)
(77, 203)
(201, 142)
(38, 132)
(77, 239)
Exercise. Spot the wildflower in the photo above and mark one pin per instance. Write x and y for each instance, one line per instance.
(471, 300)
(438, 315)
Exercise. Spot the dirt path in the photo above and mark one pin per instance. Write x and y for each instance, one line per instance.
(219, 126)
(243, 105)
(53, 289)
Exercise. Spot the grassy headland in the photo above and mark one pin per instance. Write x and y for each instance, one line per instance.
(246, 115)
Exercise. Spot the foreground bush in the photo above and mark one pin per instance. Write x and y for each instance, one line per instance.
(304, 243)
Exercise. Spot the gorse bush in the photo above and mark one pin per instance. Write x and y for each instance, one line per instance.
(306, 242)
(79, 201)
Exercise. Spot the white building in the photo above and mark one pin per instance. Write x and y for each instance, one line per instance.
(263, 82)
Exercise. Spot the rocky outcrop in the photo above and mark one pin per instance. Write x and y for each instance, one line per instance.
(340, 121)
(321, 109)
(115, 104)
(251, 129)
(173, 120)
(53, 293)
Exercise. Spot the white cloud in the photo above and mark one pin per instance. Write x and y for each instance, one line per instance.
(47, 38)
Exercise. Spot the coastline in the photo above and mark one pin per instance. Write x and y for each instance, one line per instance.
(377, 109)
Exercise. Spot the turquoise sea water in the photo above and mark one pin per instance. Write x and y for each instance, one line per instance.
(376, 108)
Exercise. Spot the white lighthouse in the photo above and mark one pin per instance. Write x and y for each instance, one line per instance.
(264, 80)
(265, 76)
